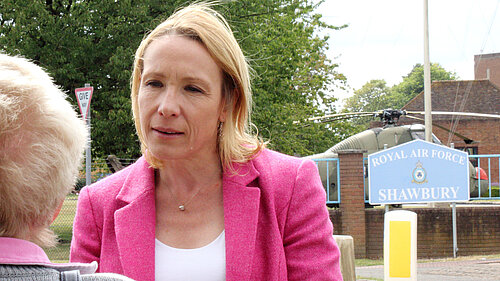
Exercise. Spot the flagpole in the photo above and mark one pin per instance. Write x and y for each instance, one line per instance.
(427, 77)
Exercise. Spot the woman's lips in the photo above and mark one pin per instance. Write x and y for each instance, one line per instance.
(168, 132)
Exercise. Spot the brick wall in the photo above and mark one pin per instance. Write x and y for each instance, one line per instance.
(478, 232)
(487, 61)
(352, 205)
(336, 218)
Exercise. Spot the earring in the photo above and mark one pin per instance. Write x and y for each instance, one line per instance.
(220, 132)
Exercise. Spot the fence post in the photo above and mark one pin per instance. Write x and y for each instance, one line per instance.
(352, 203)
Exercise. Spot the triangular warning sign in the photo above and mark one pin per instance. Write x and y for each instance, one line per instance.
(84, 96)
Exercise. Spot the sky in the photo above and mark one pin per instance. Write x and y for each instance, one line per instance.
(385, 38)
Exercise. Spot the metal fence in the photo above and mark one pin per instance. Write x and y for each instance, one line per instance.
(329, 169)
(486, 181)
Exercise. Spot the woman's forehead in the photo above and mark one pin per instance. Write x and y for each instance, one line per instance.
(178, 55)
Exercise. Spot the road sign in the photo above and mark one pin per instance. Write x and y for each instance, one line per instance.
(84, 96)
(418, 171)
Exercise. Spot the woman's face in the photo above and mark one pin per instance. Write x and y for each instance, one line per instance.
(180, 99)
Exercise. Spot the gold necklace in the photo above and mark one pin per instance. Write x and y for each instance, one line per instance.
(182, 206)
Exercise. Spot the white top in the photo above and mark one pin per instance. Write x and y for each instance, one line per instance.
(207, 263)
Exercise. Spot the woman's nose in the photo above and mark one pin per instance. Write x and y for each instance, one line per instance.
(169, 103)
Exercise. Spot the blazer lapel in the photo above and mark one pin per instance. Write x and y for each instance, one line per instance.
(241, 210)
(135, 223)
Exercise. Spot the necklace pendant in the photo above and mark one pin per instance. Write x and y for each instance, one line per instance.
(181, 208)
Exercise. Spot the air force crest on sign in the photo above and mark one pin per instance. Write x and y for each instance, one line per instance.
(419, 174)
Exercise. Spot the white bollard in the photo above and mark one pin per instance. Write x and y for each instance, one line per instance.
(400, 245)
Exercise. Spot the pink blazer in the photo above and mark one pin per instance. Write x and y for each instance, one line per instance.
(276, 222)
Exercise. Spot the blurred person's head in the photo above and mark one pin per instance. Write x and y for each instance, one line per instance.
(41, 145)
(198, 22)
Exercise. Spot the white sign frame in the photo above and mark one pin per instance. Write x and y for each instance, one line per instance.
(84, 97)
(409, 170)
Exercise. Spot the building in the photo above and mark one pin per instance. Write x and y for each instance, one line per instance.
(487, 66)
(475, 96)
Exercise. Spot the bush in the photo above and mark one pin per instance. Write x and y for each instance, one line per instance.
(80, 183)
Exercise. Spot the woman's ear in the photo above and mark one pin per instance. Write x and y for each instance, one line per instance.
(222, 115)
(223, 110)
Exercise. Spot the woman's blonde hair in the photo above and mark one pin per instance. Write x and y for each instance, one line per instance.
(41, 145)
(201, 23)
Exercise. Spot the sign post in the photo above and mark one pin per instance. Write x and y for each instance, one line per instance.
(84, 96)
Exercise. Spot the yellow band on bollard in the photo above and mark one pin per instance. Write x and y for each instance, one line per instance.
(400, 249)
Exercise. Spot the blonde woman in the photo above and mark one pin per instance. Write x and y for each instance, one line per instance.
(41, 145)
(207, 201)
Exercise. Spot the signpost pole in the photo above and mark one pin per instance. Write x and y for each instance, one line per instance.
(386, 206)
(88, 157)
(454, 222)
(454, 219)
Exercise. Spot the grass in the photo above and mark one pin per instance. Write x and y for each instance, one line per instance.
(368, 278)
(495, 190)
(63, 227)
(368, 262)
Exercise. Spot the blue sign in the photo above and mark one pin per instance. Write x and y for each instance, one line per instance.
(416, 172)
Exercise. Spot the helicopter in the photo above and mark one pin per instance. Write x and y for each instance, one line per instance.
(389, 135)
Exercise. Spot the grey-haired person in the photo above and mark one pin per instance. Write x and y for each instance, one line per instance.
(41, 145)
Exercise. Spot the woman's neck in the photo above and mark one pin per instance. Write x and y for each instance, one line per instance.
(189, 175)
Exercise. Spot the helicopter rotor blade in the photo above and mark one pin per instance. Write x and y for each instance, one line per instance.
(464, 138)
(457, 113)
(334, 117)
(354, 114)
(345, 118)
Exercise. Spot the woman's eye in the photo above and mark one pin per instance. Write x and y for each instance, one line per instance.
(193, 89)
(154, 83)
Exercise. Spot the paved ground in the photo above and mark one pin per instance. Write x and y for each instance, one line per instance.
(467, 270)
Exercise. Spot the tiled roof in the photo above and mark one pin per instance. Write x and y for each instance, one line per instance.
(480, 96)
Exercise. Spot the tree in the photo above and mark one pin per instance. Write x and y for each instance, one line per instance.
(292, 73)
(94, 42)
(371, 97)
(413, 83)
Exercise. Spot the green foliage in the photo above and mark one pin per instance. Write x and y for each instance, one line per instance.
(292, 74)
(94, 42)
(413, 83)
(371, 97)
